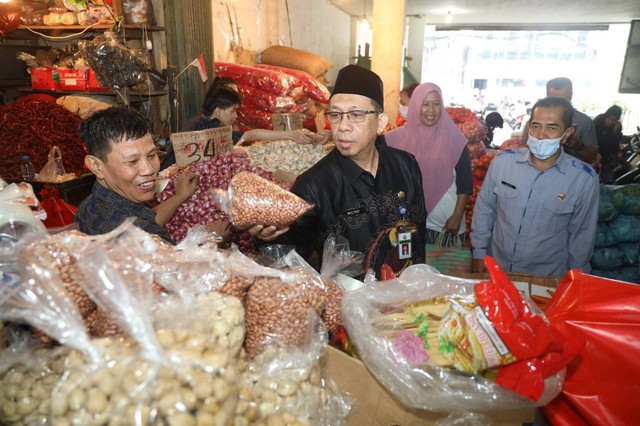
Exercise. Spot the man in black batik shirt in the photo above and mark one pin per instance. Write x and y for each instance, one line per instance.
(367, 192)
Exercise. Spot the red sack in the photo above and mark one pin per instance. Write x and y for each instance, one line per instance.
(602, 385)
(268, 80)
(541, 349)
(312, 87)
(59, 212)
(254, 98)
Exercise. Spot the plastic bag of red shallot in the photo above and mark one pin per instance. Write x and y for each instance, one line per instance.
(253, 200)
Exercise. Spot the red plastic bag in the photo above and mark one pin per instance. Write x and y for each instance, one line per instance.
(59, 212)
(602, 386)
(539, 347)
(10, 15)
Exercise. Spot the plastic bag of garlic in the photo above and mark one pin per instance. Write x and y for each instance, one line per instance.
(286, 155)
(182, 365)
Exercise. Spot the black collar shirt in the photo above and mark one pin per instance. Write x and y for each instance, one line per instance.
(351, 202)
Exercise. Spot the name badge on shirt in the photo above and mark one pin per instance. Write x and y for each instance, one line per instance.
(353, 212)
(404, 245)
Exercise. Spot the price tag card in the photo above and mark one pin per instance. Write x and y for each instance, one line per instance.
(291, 121)
(191, 147)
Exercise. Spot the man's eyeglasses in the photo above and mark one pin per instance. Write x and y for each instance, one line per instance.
(355, 116)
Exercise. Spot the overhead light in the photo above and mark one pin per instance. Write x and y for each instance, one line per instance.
(448, 18)
(364, 26)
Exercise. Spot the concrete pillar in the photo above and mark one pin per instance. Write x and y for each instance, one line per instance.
(386, 60)
(415, 45)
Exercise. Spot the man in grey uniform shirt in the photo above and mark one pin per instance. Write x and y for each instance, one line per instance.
(537, 209)
(561, 87)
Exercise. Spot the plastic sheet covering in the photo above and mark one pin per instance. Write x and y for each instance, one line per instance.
(404, 330)
(602, 385)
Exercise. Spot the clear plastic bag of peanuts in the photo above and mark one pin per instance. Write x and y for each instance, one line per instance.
(196, 266)
(285, 385)
(279, 311)
(337, 258)
(253, 200)
(178, 365)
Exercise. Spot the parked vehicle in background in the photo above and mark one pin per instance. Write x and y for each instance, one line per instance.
(628, 167)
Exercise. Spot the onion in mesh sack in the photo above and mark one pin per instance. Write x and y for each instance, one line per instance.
(201, 208)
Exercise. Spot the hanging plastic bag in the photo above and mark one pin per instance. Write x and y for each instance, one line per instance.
(59, 212)
(602, 384)
(10, 15)
(53, 170)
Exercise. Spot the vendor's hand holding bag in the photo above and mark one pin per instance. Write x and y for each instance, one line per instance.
(448, 260)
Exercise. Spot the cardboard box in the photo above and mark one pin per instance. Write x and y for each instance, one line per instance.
(537, 287)
(201, 145)
(375, 406)
(42, 79)
(287, 121)
(75, 80)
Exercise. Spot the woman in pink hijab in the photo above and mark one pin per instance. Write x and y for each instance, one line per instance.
(442, 153)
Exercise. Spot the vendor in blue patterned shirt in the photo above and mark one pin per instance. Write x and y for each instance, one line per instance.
(537, 210)
(125, 160)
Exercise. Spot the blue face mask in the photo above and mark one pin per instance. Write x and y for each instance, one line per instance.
(544, 148)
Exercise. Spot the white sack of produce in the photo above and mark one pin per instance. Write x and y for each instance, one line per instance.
(252, 200)
(180, 360)
(83, 106)
(288, 57)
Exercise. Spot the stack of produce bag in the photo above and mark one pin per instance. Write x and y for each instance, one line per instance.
(269, 89)
(476, 133)
(617, 248)
(180, 355)
(443, 343)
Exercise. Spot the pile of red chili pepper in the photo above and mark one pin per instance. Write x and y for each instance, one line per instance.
(32, 128)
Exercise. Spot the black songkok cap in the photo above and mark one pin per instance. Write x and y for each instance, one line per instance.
(355, 80)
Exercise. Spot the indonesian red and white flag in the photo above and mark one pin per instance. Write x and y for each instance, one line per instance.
(199, 63)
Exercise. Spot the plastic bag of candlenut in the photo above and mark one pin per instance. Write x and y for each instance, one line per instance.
(177, 365)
